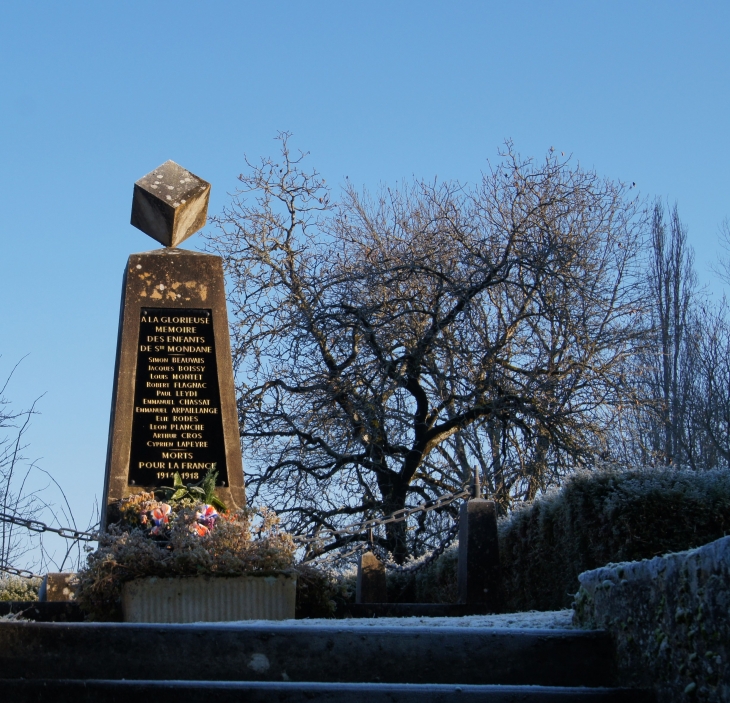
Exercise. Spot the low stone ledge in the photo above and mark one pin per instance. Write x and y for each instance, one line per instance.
(670, 620)
(38, 611)
(409, 610)
(186, 599)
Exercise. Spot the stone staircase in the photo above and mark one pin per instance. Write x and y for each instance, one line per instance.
(255, 662)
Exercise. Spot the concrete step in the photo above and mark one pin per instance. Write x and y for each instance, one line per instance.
(69, 611)
(410, 610)
(327, 654)
(100, 691)
(49, 611)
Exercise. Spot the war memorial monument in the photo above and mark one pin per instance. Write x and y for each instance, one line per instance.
(173, 404)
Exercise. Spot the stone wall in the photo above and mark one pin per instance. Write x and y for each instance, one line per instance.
(670, 619)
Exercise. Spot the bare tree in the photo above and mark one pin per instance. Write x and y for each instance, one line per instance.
(660, 400)
(13, 476)
(722, 269)
(29, 492)
(386, 344)
(707, 365)
(673, 282)
(707, 423)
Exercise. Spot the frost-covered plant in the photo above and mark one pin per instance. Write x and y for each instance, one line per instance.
(236, 543)
(597, 517)
(320, 590)
(602, 516)
(19, 589)
(436, 582)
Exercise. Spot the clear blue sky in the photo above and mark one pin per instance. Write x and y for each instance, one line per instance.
(96, 94)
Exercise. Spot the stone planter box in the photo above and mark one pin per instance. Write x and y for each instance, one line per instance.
(210, 598)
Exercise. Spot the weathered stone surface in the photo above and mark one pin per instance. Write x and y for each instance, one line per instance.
(170, 281)
(69, 691)
(58, 587)
(170, 204)
(371, 585)
(411, 610)
(480, 575)
(210, 599)
(669, 619)
(42, 611)
(360, 654)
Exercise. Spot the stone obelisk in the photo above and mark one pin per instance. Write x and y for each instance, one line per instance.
(173, 406)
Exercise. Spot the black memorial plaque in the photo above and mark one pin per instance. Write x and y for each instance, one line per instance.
(176, 426)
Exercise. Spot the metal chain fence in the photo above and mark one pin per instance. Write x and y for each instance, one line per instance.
(38, 526)
(387, 559)
(24, 573)
(323, 559)
(352, 531)
(398, 516)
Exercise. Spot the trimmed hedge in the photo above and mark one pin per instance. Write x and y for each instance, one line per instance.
(434, 583)
(19, 589)
(603, 516)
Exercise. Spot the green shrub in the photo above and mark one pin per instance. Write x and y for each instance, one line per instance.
(320, 591)
(437, 582)
(604, 516)
(18, 589)
(598, 517)
(434, 583)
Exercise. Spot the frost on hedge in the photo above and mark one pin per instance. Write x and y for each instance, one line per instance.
(436, 582)
(602, 516)
(19, 589)
(668, 617)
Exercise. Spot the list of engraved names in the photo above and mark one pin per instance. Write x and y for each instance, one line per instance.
(177, 424)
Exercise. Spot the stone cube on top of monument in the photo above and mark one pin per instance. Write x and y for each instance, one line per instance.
(170, 204)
